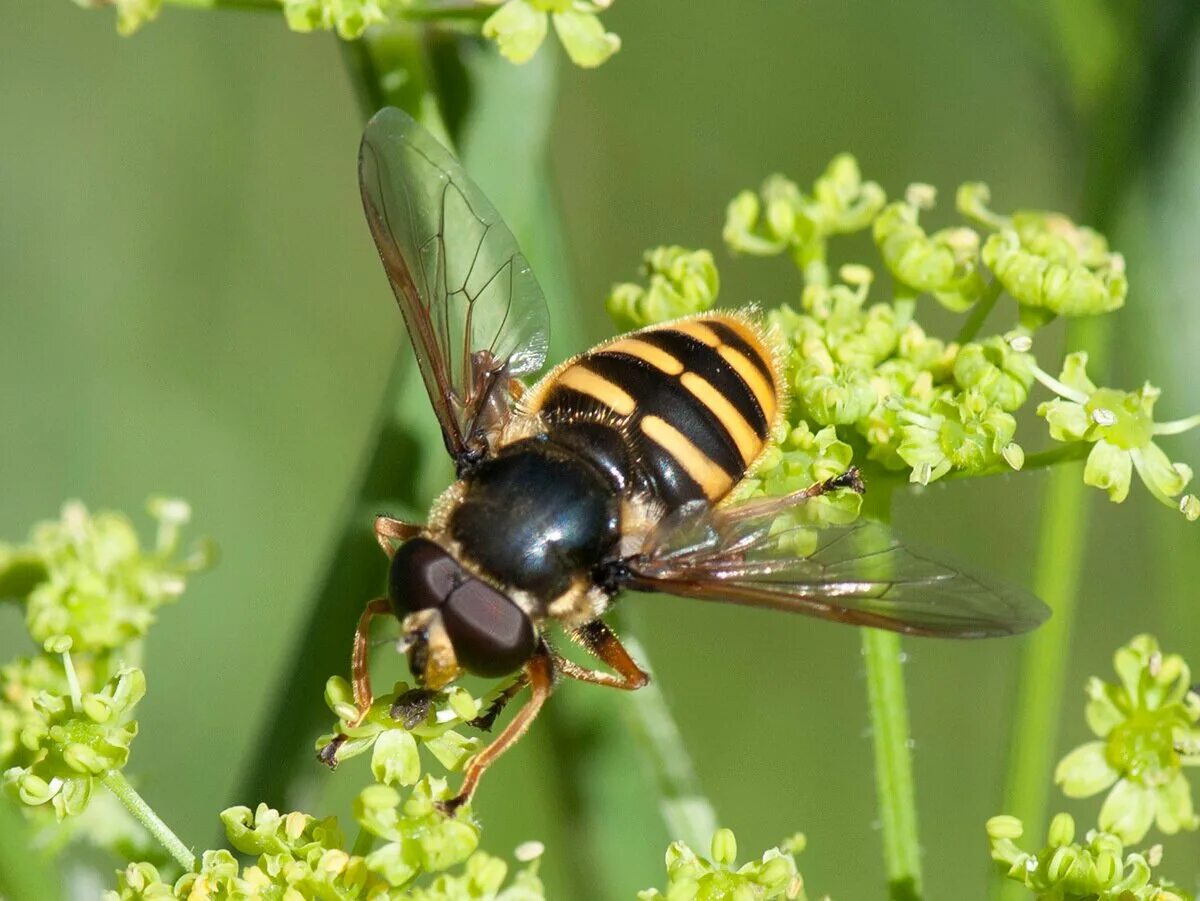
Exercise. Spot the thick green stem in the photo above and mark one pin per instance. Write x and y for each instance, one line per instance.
(896, 797)
(116, 783)
(688, 814)
(888, 707)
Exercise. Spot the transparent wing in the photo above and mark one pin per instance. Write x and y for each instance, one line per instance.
(749, 554)
(472, 305)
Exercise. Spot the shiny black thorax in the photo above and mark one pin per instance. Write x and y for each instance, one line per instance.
(544, 513)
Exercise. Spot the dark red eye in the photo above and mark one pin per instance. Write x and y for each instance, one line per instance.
(421, 575)
(491, 635)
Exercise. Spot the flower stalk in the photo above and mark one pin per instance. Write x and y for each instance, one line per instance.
(116, 783)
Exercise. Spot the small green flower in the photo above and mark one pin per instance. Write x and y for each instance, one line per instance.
(682, 282)
(690, 876)
(944, 264)
(964, 433)
(1000, 373)
(482, 879)
(1099, 870)
(780, 217)
(419, 838)
(1121, 428)
(1050, 265)
(802, 459)
(87, 577)
(928, 354)
(350, 18)
(852, 333)
(519, 26)
(73, 740)
(131, 14)
(1142, 722)
(22, 682)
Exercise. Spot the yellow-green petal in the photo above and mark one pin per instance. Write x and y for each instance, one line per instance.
(584, 38)
(518, 30)
(1110, 468)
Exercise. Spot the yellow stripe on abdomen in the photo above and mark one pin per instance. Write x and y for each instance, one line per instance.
(740, 431)
(764, 392)
(655, 356)
(598, 388)
(714, 481)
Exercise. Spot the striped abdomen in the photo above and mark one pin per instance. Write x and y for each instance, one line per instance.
(680, 410)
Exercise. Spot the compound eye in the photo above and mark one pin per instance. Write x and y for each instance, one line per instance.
(490, 634)
(421, 575)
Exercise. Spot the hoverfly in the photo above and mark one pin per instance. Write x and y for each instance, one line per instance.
(613, 471)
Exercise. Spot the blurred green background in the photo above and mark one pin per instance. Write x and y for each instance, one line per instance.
(190, 304)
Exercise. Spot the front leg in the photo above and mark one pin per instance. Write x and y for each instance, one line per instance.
(360, 675)
(539, 673)
(600, 641)
(388, 530)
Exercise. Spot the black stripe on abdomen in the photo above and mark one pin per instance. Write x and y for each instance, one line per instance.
(658, 394)
(698, 357)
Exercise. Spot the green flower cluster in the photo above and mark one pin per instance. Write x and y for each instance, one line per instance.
(1046, 262)
(87, 576)
(394, 742)
(519, 26)
(870, 385)
(296, 856)
(1097, 870)
(1147, 725)
(682, 282)
(944, 264)
(89, 589)
(693, 878)
(1120, 427)
(69, 742)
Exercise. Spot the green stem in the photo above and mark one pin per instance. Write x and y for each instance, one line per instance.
(1063, 453)
(363, 843)
(688, 814)
(893, 763)
(888, 706)
(116, 783)
(983, 307)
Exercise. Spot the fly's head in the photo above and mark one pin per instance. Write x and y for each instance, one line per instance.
(453, 621)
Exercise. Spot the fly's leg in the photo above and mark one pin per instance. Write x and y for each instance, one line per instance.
(360, 676)
(487, 719)
(388, 530)
(851, 479)
(600, 641)
(539, 673)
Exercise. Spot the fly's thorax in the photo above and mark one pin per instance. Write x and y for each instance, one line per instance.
(536, 519)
